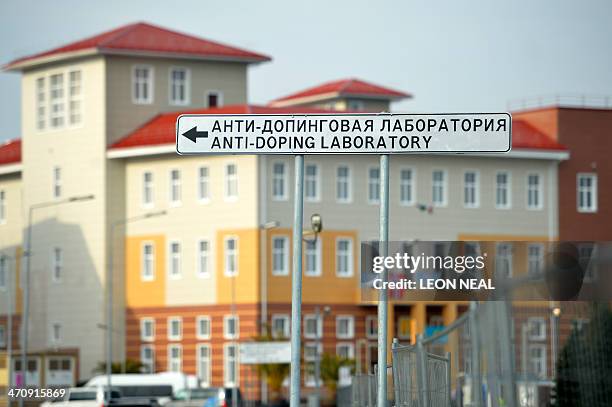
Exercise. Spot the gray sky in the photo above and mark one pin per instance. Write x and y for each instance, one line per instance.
(452, 55)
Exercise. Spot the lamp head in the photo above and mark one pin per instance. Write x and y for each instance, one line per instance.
(316, 223)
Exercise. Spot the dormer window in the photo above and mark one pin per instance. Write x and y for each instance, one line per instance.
(142, 84)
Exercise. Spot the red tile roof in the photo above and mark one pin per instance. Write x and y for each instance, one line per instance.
(10, 152)
(143, 37)
(345, 87)
(162, 128)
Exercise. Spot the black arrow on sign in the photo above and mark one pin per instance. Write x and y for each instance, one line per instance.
(193, 134)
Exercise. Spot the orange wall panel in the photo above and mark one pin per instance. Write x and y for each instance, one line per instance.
(139, 293)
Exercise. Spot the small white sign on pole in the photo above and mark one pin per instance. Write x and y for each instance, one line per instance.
(254, 353)
(367, 133)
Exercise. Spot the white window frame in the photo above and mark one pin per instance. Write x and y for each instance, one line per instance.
(372, 183)
(539, 191)
(148, 188)
(172, 257)
(186, 84)
(226, 333)
(175, 183)
(531, 259)
(171, 335)
(203, 335)
(203, 186)
(151, 362)
(319, 258)
(282, 180)
(228, 179)
(508, 204)
(56, 177)
(150, 83)
(310, 379)
(351, 326)
(541, 334)
(284, 271)
(541, 363)
(41, 105)
(143, 261)
(214, 92)
(172, 360)
(57, 263)
(509, 258)
(310, 179)
(209, 257)
(371, 321)
(200, 372)
(411, 185)
(61, 101)
(143, 336)
(349, 345)
(476, 186)
(286, 326)
(226, 361)
(350, 259)
(319, 326)
(592, 191)
(443, 185)
(226, 256)
(74, 98)
(349, 184)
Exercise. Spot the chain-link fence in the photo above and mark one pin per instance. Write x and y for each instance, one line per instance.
(363, 389)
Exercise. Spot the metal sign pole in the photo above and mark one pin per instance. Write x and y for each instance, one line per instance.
(296, 283)
(382, 296)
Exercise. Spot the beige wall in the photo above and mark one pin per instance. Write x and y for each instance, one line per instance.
(10, 235)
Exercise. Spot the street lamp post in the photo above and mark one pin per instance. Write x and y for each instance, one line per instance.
(9, 323)
(109, 284)
(326, 311)
(26, 283)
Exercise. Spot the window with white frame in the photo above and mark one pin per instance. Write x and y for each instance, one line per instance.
(310, 355)
(231, 256)
(75, 94)
(587, 192)
(279, 181)
(406, 186)
(57, 262)
(147, 268)
(585, 255)
(41, 104)
(536, 327)
(503, 259)
(438, 187)
(502, 190)
(147, 188)
(203, 258)
(471, 198)
(535, 258)
(280, 256)
(230, 365)
(534, 191)
(3, 272)
(313, 257)
(175, 187)
(231, 326)
(313, 326)
(56, 332)
(374, 185)
(537, 359)
(203, 184)
(142, 84)
(57, 182)
(174, 259)
(280, 326)
(214, 98)
(2, 206)
(343, 184)
(312, 183)
(56, 100)
(147, 329)
(180, 86)
(203, 358)
(203, 329)
(345, 350)
(231, 181)
(2, 336)
(147, 358)
(344, 257)
(345, 327)
(175, 328)
(371, 327)
(175, 358)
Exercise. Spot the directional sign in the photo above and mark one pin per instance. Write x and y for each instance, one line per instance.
(382, 133)
(253, 353)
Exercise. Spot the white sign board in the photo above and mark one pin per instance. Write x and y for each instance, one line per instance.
(253, 353)
(381, 133)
